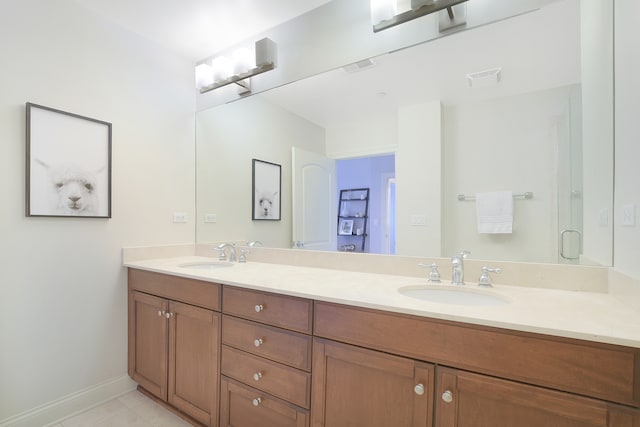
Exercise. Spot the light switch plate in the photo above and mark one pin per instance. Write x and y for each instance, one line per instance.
(418, 220)
(629, 215)
(179, 217)
(210, 217)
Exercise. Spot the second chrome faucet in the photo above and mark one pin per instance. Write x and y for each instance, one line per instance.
(457, 268)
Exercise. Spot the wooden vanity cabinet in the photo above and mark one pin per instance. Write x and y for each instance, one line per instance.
(174, 346)
(244, 406)
(465, 399)
(356, 386)
(485, 377)
(265, 359)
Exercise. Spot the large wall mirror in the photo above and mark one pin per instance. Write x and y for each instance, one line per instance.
(535, 116)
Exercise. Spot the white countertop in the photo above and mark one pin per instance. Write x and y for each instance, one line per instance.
(590, 316)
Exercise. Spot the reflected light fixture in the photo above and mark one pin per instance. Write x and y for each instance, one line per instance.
(384, 13)
(243, 64)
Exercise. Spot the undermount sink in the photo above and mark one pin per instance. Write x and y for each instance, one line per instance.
(206, 265)
(454, 296)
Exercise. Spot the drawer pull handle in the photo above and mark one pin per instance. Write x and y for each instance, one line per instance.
(257, 342)
(447, 396)
(258, 308)
(419, 389)
(257, 401)
(257, 376)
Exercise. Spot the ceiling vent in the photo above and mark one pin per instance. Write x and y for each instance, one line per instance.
(485, 78)
(359, 66)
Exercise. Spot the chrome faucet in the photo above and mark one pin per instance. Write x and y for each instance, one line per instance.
(232, 252)
(457, 265)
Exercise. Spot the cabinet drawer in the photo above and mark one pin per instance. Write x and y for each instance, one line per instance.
(195, 292)
(290, 348)
(598, 370)
(242, 406)
(281, 381)
(278, 310)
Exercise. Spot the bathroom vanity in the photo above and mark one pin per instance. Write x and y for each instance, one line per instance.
(274, 345)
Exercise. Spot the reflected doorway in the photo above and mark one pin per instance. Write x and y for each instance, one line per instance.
(375, 173)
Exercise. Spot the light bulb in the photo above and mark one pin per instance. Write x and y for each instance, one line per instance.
(243, 60)
(381, 10)
(222, 68)
(204, 75)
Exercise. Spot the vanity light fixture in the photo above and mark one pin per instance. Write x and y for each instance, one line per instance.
(384, 13)
(239, 68)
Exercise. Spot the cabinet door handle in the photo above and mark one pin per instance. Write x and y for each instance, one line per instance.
(257, 342)
(257, 376)
(160, 313)
(447, 396)
(257, 401)
(168, 315)
(258, 308)
(419, 389)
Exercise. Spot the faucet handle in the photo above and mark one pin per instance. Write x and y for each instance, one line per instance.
(434, 274)
(222, 256)
(464, 254)
(243, 255)
(485, 279)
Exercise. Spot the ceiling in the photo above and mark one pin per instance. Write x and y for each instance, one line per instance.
(195, 29)
(536, 51)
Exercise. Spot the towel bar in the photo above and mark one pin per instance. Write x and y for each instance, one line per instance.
(526, 195)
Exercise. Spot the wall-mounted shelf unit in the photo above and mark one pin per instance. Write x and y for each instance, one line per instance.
(353, 219)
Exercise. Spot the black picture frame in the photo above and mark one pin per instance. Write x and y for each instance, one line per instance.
(68, 164)
(266, 190)
(346, 227)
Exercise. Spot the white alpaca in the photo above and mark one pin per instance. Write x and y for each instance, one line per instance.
(265, 205)
(75, 189)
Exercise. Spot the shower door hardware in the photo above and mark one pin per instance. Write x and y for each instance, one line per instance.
(570, 231)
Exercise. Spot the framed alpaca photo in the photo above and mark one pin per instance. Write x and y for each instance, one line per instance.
(68, 164)
(266, 188)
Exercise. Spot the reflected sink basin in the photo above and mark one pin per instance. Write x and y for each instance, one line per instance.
(206, 265)
(454, 296)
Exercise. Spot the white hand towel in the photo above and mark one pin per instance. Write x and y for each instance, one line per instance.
(495, 212)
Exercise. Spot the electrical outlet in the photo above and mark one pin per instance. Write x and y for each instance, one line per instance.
(210, 217)
(629, 215)
(418, 220)
(179, 217)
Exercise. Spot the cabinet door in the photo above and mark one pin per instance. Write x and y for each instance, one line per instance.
(243, 406)
(358, 387)
(148, 343)
(194, 342)
(472, 400)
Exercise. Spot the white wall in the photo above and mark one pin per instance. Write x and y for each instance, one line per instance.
(63, 306)
(367, 137)
(597, 128)
(418, 179)
(505, 144)
(229, 137)
(627, 131)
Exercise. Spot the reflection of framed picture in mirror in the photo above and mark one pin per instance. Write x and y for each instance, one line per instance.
(266, 190)
(346, 227)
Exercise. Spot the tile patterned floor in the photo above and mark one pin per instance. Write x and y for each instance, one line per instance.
(133, 409)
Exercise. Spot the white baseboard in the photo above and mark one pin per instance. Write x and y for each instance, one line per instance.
(53, 412)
